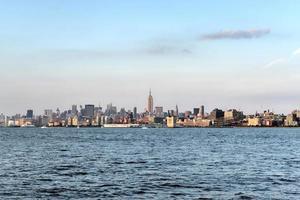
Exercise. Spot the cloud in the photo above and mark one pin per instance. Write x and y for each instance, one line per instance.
(166, 50)
(296, 52)
(286, 60)
(236, 34)
(274, 63)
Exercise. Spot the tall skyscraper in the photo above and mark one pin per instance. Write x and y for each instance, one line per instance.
(29, 114)
(201, 111)
(48, 113)
(134, 112)
(89, 110)
(150, 103)
(74, 109)
(159, 112)
(111, 110)
(196, 111)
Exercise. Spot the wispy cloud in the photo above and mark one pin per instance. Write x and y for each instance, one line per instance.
(279, 61)
(274, 63)
(236, 34)
(166, 50)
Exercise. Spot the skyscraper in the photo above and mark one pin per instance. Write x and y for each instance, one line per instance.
(159, 111)
(202, 111)
(74, 109)
(29, 114)
(134, 112)
(150, 103)
(196, 111)
(48, 113)
(89, 110)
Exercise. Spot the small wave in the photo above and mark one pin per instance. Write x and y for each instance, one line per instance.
(136, 162)
(139, 192)
(75, 174)
(245, 197)
(107, 185)
(287, 180)
(44, 179)
(55, 190)
(64, 167)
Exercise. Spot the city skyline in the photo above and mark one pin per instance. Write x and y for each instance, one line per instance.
(229, 54)
(149, 107)
(90, 115)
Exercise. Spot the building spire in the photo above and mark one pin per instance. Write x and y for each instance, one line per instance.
(150, 103)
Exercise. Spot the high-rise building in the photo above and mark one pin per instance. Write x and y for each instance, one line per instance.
(134, 113)
(159, 112)
(233, 115)
(216, 114)
(29, 114)
(171, 113)
(110, 109)
(201, 112)
(196, 111)
(74, 109)
(89, 110)
(150, 103)
(48, 113)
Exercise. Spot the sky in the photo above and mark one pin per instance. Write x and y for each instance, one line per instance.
(225, 54)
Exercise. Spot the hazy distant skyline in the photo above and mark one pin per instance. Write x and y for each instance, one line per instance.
(226, 54)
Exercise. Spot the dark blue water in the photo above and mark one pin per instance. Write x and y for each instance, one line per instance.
(149, 164)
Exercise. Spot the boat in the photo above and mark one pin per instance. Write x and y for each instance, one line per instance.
(121, 125)
(27, 126)
(44, 127)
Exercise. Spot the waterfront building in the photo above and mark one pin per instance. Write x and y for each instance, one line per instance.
(203, 123)
(150, 103)
(233, 115)
(187, 114)
(216, 114)
(171, 122)
(159, 120)
(254, 121)
(217, 117)
(196, 122)
(291, 120)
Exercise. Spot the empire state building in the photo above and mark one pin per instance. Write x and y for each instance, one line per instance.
(150, 102)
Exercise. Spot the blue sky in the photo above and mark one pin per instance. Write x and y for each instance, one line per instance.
(223, 54)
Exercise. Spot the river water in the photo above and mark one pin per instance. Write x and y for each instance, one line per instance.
(232, 163)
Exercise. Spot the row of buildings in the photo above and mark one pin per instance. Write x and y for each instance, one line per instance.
(96, 116)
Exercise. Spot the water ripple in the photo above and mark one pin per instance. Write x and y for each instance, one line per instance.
(156, 164)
